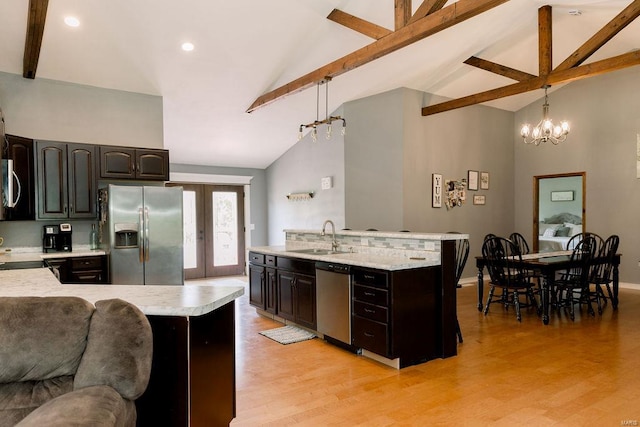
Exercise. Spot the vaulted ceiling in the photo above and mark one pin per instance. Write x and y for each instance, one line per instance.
(245, 50)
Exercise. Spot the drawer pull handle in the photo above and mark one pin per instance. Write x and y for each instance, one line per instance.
(368, 276)
(368, 310)
(370, 294)
(369, 335)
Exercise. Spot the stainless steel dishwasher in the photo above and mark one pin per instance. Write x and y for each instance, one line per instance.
(333, 301)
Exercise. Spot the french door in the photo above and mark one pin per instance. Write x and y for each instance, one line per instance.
(213, 230)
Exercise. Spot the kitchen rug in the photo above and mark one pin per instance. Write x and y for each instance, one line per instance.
(288, 334)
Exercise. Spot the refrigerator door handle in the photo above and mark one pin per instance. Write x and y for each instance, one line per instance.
(141, 233)
(146, 233)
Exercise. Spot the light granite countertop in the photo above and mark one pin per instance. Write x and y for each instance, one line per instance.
(371, 260)
(191, 300)
(33, 254)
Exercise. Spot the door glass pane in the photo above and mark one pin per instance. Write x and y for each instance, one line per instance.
(190, 229)
(225, 228)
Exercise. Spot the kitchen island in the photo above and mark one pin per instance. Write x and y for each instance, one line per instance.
(402, 296)
(193, 373)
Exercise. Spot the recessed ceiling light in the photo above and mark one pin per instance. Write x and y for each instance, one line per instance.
(72, 21)
(187, 47)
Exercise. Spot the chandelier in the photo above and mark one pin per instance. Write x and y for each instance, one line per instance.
(328, 120)
(545, 130)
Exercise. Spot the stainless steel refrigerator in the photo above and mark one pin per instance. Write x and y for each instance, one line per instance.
(142, 232)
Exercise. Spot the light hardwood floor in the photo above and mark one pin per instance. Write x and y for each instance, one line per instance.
(506, 373)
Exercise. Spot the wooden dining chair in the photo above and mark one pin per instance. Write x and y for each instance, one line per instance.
(462, 253)
(504, 263)
(572, 287)
(602, 271)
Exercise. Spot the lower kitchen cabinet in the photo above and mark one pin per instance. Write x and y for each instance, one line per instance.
(263, 282)
(80, 270)
(297, 298)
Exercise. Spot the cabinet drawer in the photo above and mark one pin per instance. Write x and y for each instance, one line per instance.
(370, 278)
(370, 311)
(370, 335)
(88, 276)
(270, 260)
(370, 295)
(86, 263)
(256, 258)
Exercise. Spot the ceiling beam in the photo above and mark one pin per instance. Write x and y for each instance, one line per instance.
(502, 70)
(555, 77)
(357, 24)
(431, 24)
(426, 8)
(544, 41)
(624, 18)
(35, 29)
(402, 9)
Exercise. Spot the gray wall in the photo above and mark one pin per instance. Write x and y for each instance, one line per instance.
(258, 195)
(301, 169)
(603, 113)
(53, 110)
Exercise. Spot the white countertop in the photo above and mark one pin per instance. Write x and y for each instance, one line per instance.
(371, 260)
(190, 300)
(31, 254)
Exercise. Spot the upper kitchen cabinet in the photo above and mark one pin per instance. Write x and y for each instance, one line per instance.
(66, 180)
(134, 163)
(20, 150)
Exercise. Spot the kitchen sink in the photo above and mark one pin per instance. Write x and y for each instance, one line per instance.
(317, 251)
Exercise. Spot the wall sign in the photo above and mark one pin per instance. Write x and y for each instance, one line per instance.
(436, 190)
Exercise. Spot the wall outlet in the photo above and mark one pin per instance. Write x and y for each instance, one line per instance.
(326, 183)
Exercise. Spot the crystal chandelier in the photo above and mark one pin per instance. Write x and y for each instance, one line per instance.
(545, 130)
(328, 119)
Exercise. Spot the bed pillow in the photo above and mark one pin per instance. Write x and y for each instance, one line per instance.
(563, 231)
(542, 229)
(549, 232)
(573, 228)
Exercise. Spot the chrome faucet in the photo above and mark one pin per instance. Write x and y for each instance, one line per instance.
(334, 242)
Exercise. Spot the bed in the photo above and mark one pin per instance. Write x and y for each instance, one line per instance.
(555, 232)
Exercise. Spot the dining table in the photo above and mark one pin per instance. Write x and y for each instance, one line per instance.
(547, 264)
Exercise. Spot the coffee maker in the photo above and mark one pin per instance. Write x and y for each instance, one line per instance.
(56, 238)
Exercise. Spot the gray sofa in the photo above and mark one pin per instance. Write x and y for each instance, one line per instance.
(64, 362)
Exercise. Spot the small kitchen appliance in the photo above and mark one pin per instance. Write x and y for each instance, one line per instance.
(56, 238)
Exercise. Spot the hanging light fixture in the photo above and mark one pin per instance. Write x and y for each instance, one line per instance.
(328, 120)
(545, 130)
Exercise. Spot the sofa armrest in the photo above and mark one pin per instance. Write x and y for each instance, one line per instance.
(91, 406)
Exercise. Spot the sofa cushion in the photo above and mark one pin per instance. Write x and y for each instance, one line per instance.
(119, 349)
(42, 338)
(18, 399)
(98, 406)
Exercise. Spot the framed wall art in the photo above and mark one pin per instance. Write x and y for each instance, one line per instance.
(479, 200)
(472, 179)
(562, 196)
(484, 180)
(436, 190)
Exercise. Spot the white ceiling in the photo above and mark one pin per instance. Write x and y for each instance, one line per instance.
(245, 48)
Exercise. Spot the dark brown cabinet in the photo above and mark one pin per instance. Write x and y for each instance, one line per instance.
(395, 313)
(80, 270)
(66, 180)
(20, 150)
(134, 163)
(296, 292)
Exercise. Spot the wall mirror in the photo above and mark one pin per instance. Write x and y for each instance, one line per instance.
(558, 209)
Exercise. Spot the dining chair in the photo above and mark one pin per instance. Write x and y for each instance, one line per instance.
(519, 240)
(504, 263)
(572, 287)
(573, 241)
(601, 272)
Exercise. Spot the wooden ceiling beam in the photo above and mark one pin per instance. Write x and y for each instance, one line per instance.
(502, 70)
(431, 24)
(426, 8)
(624, 18)
(357, 24)
(544, 41)
(555, 77)
(402, 9)
(35, 29)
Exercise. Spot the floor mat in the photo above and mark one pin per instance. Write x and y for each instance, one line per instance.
(288, 334)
